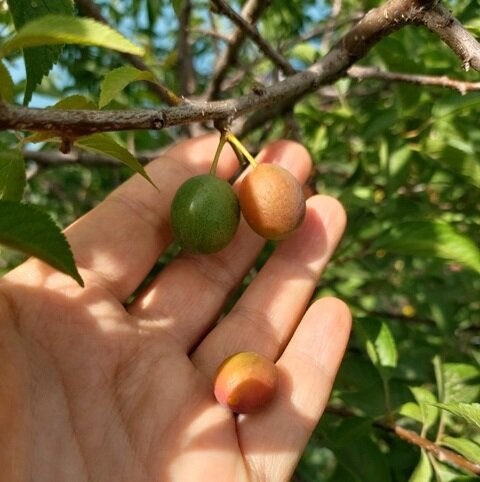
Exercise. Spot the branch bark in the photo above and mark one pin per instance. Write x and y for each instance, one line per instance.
(461, 86)
(441, 453)
(372, 28)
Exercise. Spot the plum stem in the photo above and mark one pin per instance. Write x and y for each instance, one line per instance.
(237, 145)
(221, 143)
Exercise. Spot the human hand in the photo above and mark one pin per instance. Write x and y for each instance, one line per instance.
(94, 389)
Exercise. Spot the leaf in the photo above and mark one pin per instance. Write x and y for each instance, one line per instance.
(104, 144)
(28, 229)
(462, 382)
(116, 80)
(62, 29)
(469, 449)
(411, 410)
(423, 471)
(379, 344)
(12, 175)
(425, 400)
(430, 239)
(39, 60)
(470, 412)
(6, 84)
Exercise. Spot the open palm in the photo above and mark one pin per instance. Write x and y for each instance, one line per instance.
(93, 388)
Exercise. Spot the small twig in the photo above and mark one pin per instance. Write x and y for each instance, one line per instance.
(89, 8)
(441, 453)
(250, 12)
(360, 73)
(331, 24)
(185, 63)
(252, 32)
(56, 158)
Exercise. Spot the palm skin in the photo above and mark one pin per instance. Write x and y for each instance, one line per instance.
(95, 388)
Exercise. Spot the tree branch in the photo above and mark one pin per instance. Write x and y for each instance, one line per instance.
(251, 11)
(461, 86)
(252, 32)
(186, 70)
(441, 453)
(372, 28)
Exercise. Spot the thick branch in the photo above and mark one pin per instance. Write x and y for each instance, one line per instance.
(461, 86)
(440, 21)
(375, 25)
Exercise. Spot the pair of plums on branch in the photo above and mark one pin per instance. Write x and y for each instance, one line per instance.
(205, 215)
(205, 211)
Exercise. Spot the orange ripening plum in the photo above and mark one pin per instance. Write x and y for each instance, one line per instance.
(272, 201)
(245, 382)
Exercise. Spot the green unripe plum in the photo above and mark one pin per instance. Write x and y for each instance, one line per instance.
(205, 214)
(246, 382)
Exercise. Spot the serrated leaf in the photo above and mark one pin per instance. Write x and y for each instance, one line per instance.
(425, 399)
(39, 60)
(28, 229)
(6, 84)
(430, 239)
(469, 449)
(62, 29)
(12, 175)
(104, 144)
(116, 80)
(379, 343)
(423, 471)
(470, 412)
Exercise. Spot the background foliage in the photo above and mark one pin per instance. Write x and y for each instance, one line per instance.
(402, 159)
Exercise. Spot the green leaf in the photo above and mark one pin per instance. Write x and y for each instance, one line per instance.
(28, 229)
(116, 80)
(39, 60)
(76, 102)
(104, 144)
(12, 175)
(430, 239)
(470, 412)
(411, 410)
(469, 449)
(379, 343)
(425, 399)
(423, 471)
(462, 382)
(62, 29)
(6, 84)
